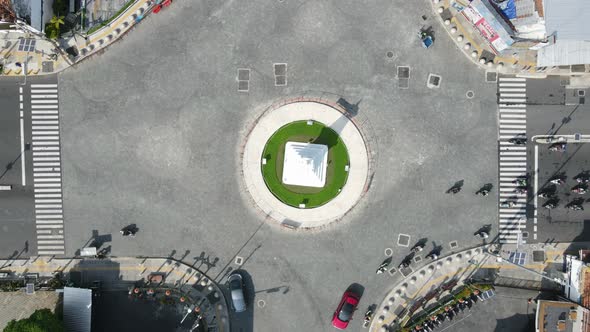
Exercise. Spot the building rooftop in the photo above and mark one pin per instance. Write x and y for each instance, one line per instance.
(568, 19)
(77, 309)
(555, 316)
(305, 164)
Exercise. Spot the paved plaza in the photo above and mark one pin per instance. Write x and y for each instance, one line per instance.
(153, 130)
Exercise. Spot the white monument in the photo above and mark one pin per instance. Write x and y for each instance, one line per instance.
(305, 164)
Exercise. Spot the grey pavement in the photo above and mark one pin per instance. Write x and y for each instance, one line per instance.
(152, 129)
(559, 224)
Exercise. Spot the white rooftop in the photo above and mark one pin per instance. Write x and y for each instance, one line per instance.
(305, 164)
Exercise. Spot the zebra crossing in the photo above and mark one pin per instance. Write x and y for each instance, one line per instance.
(47, 169)
(512, 159)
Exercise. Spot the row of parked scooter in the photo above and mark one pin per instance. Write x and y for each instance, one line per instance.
(450, 313)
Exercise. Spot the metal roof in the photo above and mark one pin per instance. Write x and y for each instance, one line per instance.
(568, 19)
(564, 52)
(77, 309)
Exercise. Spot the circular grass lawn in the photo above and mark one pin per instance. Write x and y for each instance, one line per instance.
(274, 152)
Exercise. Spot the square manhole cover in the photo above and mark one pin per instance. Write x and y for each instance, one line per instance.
(280, 80)
(453, 244)
(47, 66)
(243, 86)
(491, 76)
(406, 271)
(403, 83)
(403, 72)
(392, 271)
(525, 235)
(418, 259)
(538, 256)
(403, 240)
(243, 74)
(433, 81)
(280, 69)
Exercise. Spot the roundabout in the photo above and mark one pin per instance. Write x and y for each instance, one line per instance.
(305, 162)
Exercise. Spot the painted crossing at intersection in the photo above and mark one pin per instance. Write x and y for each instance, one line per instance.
(512, 159)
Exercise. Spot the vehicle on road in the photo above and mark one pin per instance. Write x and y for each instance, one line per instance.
(558, 147)
(343, 314)
(236, 288)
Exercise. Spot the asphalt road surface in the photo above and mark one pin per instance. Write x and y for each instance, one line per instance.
(152, 130)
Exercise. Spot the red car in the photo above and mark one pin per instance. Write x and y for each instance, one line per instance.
(345, 309)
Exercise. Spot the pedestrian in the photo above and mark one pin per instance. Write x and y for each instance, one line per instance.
(18, 64)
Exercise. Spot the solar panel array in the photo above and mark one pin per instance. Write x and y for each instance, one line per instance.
(27, 45)
(517, 258)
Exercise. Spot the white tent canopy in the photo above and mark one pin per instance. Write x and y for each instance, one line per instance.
(305, 164)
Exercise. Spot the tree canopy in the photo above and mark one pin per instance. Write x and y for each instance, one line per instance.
(42, 320)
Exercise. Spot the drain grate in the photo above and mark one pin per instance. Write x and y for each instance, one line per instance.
(453, 244)
(280, 69)
(243, 79)
(403, 72)
(538, 256)
(243, 86)
(418, 259)
(433, 81)
(491, 77)
(403, 240)
(280, 80)
(243, 74)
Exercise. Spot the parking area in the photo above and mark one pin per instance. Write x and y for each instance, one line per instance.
(559, 223)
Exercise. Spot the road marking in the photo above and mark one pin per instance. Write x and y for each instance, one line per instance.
(45, 128)
(44, 107)
(44, 101)
(50, 226)
(43, 85)
(512, 79)
(49, 236)
(22, 152)
(39, 96)
(44, 112)
(46, 117)
(512, 90)
(40, 200)
(47, 169)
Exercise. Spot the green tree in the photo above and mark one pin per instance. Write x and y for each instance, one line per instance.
(57, 21)
(42, 320)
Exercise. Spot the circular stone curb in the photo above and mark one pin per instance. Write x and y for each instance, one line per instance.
(331, 117)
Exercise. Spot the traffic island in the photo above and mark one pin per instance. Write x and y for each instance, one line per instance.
(305, 162)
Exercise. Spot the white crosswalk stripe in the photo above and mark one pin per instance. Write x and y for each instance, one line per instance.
(47, 169)
(512, 158)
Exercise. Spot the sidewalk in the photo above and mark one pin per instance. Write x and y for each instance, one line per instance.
(116, 273)
(47, 56)
(460, 267)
